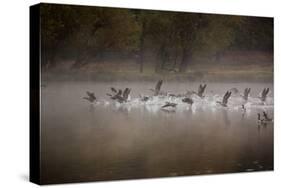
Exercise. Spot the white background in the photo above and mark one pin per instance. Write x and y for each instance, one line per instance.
(14, 92)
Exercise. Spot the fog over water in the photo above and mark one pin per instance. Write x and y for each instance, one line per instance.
(107, 140)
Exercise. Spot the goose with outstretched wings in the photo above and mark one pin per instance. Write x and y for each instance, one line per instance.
(91, 97)
(264, 93)
(245, 96)
(169, 104)
(201, 90)
(157, 88)
(225, 99)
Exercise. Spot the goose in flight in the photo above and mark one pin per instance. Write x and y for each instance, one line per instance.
(113, 90)
(225, 99)
(91, 97)
(157, 88)
(120, 96)
(126, 94)
(187, 100)
(245, 96)
(115, 94)
(264, 94)
(169, 104)
(201, 90)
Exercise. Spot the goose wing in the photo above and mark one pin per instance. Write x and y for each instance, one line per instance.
(119, 92)
(166, 105)
(226, 97)
(201, 89)
(158, 87)
(126, 93)
(113, 90)
(264, 94)
(90, 94)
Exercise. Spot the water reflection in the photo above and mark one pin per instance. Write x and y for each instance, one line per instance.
(108, 140)
(225, 117)
(168, 111)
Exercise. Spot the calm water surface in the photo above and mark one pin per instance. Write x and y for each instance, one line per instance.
(84, 142)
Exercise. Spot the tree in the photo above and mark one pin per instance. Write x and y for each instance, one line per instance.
(87, 31)
(256, 33)
(102, 29)
(57, 23)
(85, 34)
(219, 34)
(160, 33)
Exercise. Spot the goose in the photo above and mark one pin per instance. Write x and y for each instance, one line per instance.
(225, 99)
(266, 118)
(264, 94)
(113, 90)
(91, 97)
(126, 94)
(169, 104)
(119, 92)
(201, 90)
(120, 96)
(187, 100)
(116, 95)
(157, 88)
(246, 93)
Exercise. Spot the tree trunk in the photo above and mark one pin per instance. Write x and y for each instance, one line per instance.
(141, 55)
(162, 54)
(48, 56)
(186, 58)
(81, 58)
(83, 52)
(142, 47)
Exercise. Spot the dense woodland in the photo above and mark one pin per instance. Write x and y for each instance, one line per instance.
(88, 35)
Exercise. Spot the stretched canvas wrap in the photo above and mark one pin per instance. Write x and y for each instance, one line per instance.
(121, 93)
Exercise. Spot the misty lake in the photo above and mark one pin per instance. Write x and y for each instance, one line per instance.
(106, 140)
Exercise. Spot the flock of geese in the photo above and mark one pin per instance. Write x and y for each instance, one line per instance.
(123, 96)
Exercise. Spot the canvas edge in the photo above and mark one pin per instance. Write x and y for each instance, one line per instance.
(152, 9)
(34, 95)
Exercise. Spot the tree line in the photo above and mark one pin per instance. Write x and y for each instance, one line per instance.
(87, 34)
